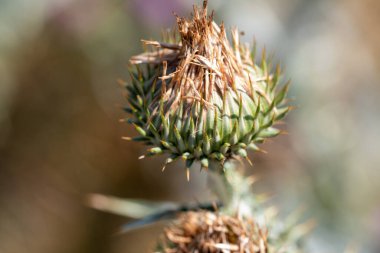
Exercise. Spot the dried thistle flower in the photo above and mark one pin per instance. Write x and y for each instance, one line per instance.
(198, 97)
(205, 231)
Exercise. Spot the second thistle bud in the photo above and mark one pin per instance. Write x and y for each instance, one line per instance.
(196, 96)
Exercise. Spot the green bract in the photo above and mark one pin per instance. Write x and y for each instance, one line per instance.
(197, 96)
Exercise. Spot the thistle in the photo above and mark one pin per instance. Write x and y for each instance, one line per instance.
(205, 231)
(198, 97)
(213, 232)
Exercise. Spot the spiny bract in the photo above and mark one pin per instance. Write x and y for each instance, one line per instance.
(197, 96)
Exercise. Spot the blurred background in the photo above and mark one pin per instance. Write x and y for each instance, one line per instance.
(60, 137)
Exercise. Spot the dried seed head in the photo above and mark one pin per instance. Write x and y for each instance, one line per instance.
(212, 232)
(197, 96)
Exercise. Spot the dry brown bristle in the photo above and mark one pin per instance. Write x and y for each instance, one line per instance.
(203, 63)
(211, 232)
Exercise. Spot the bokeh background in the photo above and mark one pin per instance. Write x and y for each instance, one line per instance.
(60, 106)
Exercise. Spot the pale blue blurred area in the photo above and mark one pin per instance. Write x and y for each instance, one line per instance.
(60, 105)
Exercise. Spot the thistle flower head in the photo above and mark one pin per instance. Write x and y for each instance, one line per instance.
(212, 232)
(198, 96)
(206, 231)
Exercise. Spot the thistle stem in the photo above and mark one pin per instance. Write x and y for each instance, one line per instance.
(231, 187)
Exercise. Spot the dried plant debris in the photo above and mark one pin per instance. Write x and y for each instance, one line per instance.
(199, 97)
(213, 232)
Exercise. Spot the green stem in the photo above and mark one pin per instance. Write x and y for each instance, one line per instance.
(231, 187)
(219, 184)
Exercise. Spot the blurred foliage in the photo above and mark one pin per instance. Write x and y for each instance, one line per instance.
(60, 104)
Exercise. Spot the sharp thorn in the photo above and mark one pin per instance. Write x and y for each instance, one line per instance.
(249, 161)
(121, 82)
(263, 151)
(188, 174)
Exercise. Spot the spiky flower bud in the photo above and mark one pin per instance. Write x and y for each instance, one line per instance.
(196, 96)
